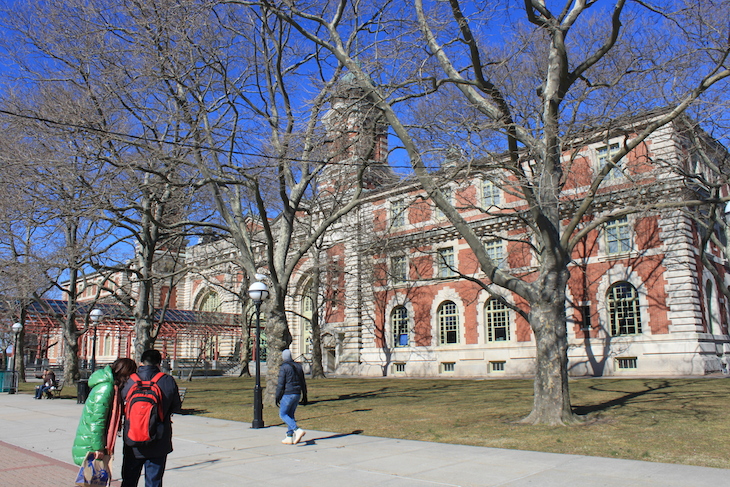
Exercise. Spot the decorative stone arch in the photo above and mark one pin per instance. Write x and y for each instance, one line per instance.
(447, 294)
(394, 302)
(207, 299)
(302, 301)
(621, 273)
(482, 300)
(711, 304)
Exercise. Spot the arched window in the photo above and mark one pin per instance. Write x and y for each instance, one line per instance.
(306, 312)
(496, 315)
(399, 322)
(448, 316)
(623, 309)
(710, 309)
(210, 301)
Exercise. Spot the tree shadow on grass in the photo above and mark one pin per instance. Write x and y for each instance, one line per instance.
(619, 401)
(379, 393)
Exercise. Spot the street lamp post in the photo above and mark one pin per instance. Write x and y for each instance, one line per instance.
(17, 328)
(96, 315)
(258, 292)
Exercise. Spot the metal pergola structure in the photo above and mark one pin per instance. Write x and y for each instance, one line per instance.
(179, 330)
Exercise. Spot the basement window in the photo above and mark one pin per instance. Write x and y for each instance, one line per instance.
(626, 362)
(447, 367)
(497, 366)
(399, 367)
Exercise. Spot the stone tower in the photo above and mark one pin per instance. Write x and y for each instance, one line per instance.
(356, 136)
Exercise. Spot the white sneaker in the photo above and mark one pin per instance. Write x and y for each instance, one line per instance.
(298, 433)
(288, 440)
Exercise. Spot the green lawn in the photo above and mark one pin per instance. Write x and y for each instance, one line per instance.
(661, 420)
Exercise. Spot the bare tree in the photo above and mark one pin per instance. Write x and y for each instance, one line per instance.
(71, 235)
(527, 94)
(118, 119)
(263, 152)
(221, 91)
(706, 179)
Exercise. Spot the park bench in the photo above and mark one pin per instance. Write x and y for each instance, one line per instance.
(55, 391)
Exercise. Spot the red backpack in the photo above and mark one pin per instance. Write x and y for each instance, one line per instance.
(143, 412)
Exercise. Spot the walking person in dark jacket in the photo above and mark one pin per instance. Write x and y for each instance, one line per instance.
(291, 389)
(153, 455)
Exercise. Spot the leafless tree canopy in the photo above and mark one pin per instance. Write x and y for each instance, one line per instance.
(511, 88)
(156, 107)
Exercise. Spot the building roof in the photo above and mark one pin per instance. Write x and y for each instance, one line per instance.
(46, 313)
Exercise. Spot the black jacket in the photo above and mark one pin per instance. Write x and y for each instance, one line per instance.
(170, 404)
(291, 380)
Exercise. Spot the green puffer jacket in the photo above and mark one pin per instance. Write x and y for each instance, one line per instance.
(91, 433)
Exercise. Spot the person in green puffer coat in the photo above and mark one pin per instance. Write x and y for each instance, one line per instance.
(99, 423)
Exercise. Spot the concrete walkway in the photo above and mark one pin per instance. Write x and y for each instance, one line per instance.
(36, 438)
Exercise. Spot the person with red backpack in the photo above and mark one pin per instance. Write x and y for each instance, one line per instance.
(150, 398)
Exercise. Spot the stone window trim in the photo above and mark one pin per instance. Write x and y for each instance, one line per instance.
(400, 325)
(606, 152)
(398, 269)
(496, 321)
(491, 194)
(398, 213)
(618, 237)
(445, 262)
(624, 309)
(448, 320)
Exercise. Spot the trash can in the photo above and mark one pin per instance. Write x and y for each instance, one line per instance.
(6, 380)
(82, 390)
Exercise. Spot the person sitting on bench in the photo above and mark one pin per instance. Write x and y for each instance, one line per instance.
(49, 380)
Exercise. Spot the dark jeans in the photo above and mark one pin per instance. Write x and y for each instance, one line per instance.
(42, 390)
(154, 469)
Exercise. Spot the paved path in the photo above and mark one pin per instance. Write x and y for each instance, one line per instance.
(36, 436)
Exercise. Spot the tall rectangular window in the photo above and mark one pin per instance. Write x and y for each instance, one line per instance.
(398, 213)
(495, 251)
(618, 236)
(604, 155)
(445, 262)
(491, 194)
(399, 269)
(449, 196)
(497, 320)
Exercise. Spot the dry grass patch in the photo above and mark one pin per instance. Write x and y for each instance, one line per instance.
(660, 420)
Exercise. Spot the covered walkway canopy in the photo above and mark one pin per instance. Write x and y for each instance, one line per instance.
(182, 333)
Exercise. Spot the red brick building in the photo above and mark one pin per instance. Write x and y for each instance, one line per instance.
(639, 300)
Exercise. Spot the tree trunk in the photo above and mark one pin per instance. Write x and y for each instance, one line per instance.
(244, 357)
(317, 368)
(70, 352)
(143, 336)
(552, 397)
(278, 337)
(18, 345)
